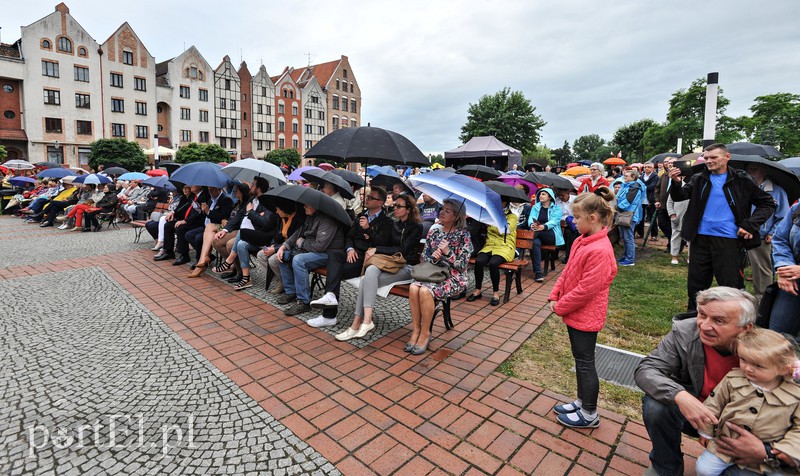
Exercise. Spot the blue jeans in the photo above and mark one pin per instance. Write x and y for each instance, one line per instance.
(546, 237)
(295, 275)
(629, 251)
(785, 315)
(243, 249)
(37, 204)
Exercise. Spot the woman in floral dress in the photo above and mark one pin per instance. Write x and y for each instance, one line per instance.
(448, 246)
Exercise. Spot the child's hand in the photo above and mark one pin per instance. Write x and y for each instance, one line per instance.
(552, 305)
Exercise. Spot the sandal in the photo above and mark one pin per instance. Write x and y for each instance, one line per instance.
(225, 266)
(244, 283)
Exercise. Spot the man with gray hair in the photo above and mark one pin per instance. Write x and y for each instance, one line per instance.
(685, 368)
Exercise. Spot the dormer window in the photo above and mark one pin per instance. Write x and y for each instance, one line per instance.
(46, 45)
(127, 57)
(82, 52)
(64, 45)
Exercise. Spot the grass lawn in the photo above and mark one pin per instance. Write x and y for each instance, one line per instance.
(642, 301)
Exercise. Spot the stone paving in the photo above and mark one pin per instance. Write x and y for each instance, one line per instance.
(365, 407)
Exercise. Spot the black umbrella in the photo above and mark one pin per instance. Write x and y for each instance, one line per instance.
(171, 167)
(387, 182)
(321, 177)
(313, 198)
(350, 177)
(507, 192)
(659, 159)
(479, 171)
(115, 171)
(746, 148)
(777, 172)
(550, 179)
(367, 145)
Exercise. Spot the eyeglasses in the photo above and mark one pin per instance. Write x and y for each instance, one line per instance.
(594, 168)
(377, 199)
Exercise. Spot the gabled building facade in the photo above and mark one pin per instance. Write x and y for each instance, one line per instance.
(289, 121)
(262, 113)
(12, 75)
(227, 107)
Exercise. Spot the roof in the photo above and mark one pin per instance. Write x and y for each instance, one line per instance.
(10, 51)
(13, 134)
(483, 146)
(324, 71)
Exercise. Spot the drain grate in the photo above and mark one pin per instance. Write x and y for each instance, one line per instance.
(616, 366)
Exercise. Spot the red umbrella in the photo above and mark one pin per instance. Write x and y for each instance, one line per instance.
(326, 166)
(614, 161)
(156, 172)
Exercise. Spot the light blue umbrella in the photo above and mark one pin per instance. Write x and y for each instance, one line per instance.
(54, 173)
(483, 204)
(200, 173)
(91, 179)
(374, 170)
(133, 176)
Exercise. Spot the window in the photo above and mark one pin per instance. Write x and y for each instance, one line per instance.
(315, 99)
(117, 130)
(117, 105)
(223, 122)
(244, 97)
(233, 143)
(82, 52)
(309, 129)
(308, 144)
(52, 97)
(268, 127)
(64, 45)
(185, 92)
(337, 84)
(160, 128)
(321, 130)
(55, 154)
(281, 126)
(321, 115)
(233, 123)
(49, 68)
(82, 74)
(158, 109)
(83, 155)
(244, 116)
(294, 143)
(203, 136)
(127, 57)
(264, 91)
(344, 73)
(186, 113)
(286, 93)
(203, 116)
(281, 143)
(186, 136)
(281, 109)
(7, 88)
(52, 124)
(46, 45)
(9, 114)
(353, 105)
(344, 104)
(228, 84)
(291, 94)
(140, 84)
(335, 104)
(259, 127)
(193, 72)
(141, 132)
(294, 109)
(295, 127)
(233, 105)
(269, 109)
(335, 123)
(223, 142)
(308, 113)
(353, 123)
(141, 108)
(203, 95)
(82, 101)
(351, 87)
(259, 109)
(222, 103)
(116, 80)
(259, 145)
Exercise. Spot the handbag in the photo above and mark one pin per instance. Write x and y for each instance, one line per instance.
(765, 305)
(429, 273)
(624, 219)
(387, 263)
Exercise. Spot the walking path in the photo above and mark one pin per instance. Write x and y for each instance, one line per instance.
(364, 407)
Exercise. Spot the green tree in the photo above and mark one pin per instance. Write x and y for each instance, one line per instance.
(508, 116)
(585, 147)
(629, 139)
(563, 155)
(436, 158)
(216, 153)
(120, 151)
(604, 152)
(283, 157)
(3, 153)
(191, 152)
(776, 121)
(540, 155)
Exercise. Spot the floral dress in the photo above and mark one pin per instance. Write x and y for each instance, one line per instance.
(460, 246)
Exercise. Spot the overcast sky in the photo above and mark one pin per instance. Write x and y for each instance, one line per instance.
(588, 66)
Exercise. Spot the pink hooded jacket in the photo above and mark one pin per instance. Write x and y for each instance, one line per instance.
(581, 292)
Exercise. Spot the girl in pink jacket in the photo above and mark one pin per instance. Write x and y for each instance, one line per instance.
(580, 297)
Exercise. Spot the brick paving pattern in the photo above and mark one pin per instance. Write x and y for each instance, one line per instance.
(368, 408)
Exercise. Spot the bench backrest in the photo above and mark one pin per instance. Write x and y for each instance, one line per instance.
(525, 239)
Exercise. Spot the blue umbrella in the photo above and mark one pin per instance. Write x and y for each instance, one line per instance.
(483, 204)
(54, 173)
(374, 170)
(91, 179)
(160, 182)
(133, 176)
(297, 174)
(21, 181)
(201, 173)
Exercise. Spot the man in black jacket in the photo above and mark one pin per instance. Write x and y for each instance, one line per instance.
(216, 207)
(372, 228)
(718, 223)
(650, 179)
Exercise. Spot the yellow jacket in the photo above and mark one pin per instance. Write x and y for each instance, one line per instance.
(499, 244)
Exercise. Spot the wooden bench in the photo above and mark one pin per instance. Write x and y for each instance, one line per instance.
(513, 269)
(139, 225)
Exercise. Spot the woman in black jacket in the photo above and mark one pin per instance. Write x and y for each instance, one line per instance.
(289, 221)
(405, 237)
(213, 230)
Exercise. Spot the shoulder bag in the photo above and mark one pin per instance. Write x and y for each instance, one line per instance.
(429, 273)
(624, 219)
(387, 263)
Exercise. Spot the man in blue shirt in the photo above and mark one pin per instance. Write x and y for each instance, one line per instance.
(726, 210)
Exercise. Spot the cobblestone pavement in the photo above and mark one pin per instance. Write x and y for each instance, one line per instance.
(92, 382)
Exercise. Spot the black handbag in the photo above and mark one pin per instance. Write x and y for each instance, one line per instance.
(765, 305)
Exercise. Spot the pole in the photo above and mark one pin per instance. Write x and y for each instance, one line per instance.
(710, 120)
(680, 143)
(155, 149)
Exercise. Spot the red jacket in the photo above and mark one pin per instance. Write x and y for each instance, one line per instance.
(581, 292)
(586, 184)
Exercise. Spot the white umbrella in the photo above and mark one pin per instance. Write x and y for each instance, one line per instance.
(161, 151)
(246, 170)
(18, 165)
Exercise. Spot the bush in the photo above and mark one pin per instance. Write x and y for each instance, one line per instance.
(194, 152)
(127, 154)
(283, 157)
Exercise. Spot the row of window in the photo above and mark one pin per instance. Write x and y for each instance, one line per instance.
(83, 101)
(54, 125)
(343, 85)
(186, 93)
(64, 45)
(335, 123)
(335, 104)
(310, 114)
(186, 136)
(50, 68)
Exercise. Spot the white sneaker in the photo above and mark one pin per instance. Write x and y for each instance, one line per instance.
(675, 261)
(364, 329)
(63, 227)
(346, 335)
(320, 321)
(327, 301)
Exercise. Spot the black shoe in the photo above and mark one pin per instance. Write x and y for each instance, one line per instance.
(182, 259)
(228, 275)
(286, 298)
(234, 279)
(495, 301)
(539, 278)
(459, 296)
(163, 257)
(474, 297)
(193, 265)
